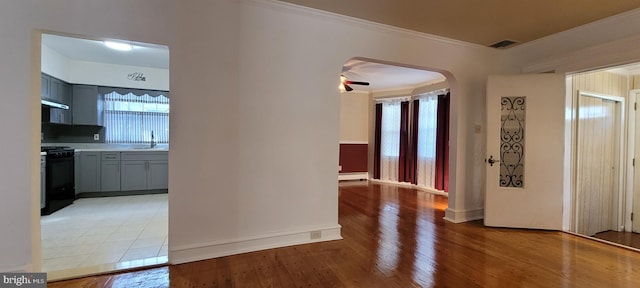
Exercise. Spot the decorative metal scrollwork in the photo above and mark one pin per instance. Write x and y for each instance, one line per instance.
(512, 142)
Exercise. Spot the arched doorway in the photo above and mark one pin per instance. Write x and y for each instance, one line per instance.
(365, 82)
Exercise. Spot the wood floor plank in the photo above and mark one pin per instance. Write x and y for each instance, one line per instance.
(396, 237)
(630, 239)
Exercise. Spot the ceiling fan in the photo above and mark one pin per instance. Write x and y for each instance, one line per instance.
(345, 83)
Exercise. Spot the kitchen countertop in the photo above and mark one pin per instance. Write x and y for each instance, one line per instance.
(111, 147)
(123, 150)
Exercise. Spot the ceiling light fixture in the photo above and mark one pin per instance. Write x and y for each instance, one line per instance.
(118, 46)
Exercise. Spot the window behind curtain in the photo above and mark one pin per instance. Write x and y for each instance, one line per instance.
(390, 141)
(427, 127)
(390, 129)
(130, 118)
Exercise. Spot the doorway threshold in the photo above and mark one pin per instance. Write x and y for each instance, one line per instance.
(124, 266)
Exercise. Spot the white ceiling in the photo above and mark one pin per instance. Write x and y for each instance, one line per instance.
(387, 77)
(143, 54)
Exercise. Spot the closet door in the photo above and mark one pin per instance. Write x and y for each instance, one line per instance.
(598, 163)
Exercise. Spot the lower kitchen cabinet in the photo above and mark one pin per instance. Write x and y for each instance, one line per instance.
(144, 170)
(134, 175)
(110, 172)
(158, 174)
(88, 169)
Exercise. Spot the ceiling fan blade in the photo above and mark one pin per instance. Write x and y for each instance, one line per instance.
(357, 83)
(347, 87)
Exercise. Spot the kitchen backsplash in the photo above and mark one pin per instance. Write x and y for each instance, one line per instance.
(58, 133)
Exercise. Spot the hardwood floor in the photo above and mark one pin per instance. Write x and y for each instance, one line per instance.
(623, 238)
(396, 237)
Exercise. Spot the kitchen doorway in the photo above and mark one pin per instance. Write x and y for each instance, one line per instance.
(119, 219)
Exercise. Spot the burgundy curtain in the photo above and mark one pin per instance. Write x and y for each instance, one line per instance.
(413, 161)
(404, 142)
(378, 136)
(442, 144)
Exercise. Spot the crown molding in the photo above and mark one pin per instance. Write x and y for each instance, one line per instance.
(287, 7)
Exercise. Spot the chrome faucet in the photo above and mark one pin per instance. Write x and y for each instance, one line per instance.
(153, 140)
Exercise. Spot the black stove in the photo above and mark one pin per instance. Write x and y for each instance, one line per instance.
(60, 171)
(57, 151)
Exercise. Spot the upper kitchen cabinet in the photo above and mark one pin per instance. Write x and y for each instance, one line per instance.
(45, 85)
(59, 92)
(87, 105)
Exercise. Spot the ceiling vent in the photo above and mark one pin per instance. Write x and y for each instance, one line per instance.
(503, 44)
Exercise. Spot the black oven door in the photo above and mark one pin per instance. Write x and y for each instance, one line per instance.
(60, 190)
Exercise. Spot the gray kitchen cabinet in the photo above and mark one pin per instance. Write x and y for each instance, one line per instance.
(76, 171)
(55, 90)
(43, 180)
(59, 116)
(110, 179)
(87, 105)
(144, 170)
(64, 94)
(133, 175)
(45, 85)
(158, 174)
(89, 174)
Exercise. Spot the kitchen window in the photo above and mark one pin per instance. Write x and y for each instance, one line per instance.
(130, 116)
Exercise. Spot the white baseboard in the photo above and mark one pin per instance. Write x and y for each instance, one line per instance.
(353, 176)
(203, 251)
(456, 216)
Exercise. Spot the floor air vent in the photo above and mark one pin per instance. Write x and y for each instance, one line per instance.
(503, 44)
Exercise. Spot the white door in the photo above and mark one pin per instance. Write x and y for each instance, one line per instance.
(525, 151)
(635, 196)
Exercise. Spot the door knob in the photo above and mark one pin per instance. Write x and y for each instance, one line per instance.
(491, 160)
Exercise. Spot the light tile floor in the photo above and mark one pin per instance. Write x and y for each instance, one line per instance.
(119, 231)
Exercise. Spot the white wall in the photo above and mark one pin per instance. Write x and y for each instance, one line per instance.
(55, 64)
(91, 73)
(247, 106)
(354, 117)
(143, 21)
(605, 43)
(266, 104)
(256, 82)
(102, 74)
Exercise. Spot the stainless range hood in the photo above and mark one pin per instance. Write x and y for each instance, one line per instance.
(55, 104)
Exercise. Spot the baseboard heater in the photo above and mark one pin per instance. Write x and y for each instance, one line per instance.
(353, 176)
